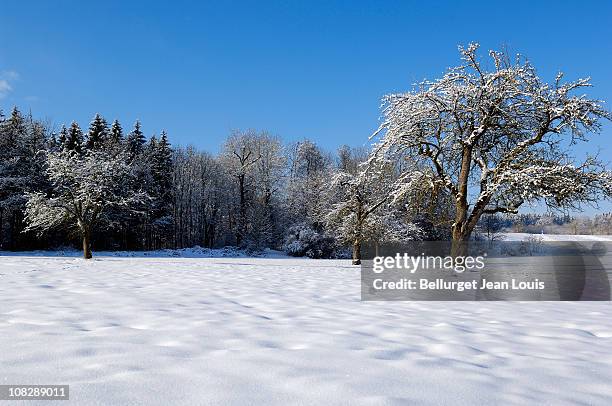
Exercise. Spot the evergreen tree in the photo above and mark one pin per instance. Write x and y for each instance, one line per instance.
(162, 164)
(161, 169)
(12, 180)
(74, 140)
(116, 133)
(21, 171)
(14, 126)
(157, 173)
(98, 133)
(136, 141)
(63, 137)
(53, 143)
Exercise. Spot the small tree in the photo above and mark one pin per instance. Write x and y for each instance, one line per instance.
(496, 138)
(84, 188)
(364, 210)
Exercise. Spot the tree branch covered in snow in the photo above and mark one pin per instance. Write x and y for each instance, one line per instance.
(495, 136)
(364, 210)
(83, 189)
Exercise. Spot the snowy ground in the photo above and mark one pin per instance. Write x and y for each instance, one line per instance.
(555, 237)
(184, 331)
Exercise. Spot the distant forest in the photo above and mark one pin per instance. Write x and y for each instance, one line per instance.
(257, 193)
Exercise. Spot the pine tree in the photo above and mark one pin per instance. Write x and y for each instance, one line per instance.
(162, 165)
(14, 126)
(63, 137)
(53, 144)
(12, 180)
(136, 141)
(21, 171)
(116, 133)
(98, 133)
(74, 140)
(159, 166)
(162, 171)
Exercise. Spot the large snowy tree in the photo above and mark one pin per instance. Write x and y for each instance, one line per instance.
(495, 136)
(84, 188)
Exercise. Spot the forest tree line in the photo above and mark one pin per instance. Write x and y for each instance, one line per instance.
(257, 193)
(450, 158)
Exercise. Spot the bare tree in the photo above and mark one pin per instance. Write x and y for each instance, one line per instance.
(310, 172)
(240, 154)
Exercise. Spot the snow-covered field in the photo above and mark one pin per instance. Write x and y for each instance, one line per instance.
(186, 331)
(555, 237)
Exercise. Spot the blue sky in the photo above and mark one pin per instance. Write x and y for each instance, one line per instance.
(297, 68)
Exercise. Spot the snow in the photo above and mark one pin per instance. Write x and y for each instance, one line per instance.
(193, 252)
(555, 237)
(277, 331)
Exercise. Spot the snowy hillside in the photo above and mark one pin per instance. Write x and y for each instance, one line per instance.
(163, 331)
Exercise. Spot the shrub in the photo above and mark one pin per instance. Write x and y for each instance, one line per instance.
(304, 240)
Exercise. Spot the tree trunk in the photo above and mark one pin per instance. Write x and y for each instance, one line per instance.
(242, 220)
(86, 245)
(459, 243)
(460, 230)
(357, 252)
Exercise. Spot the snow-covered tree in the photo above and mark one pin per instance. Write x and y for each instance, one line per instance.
(202, 198)
(84, 188)
(98, 133)
(53, 142)
(63, 137)
(269, 174)
(21, 140)
(160, 189)
(495, 136)
(115, 138)
(363, 210)
(310, 170)
(136, 141)
(74, 138)
(240, 154)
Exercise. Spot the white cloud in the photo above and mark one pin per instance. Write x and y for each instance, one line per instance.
(5, 88)
(6, 79)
